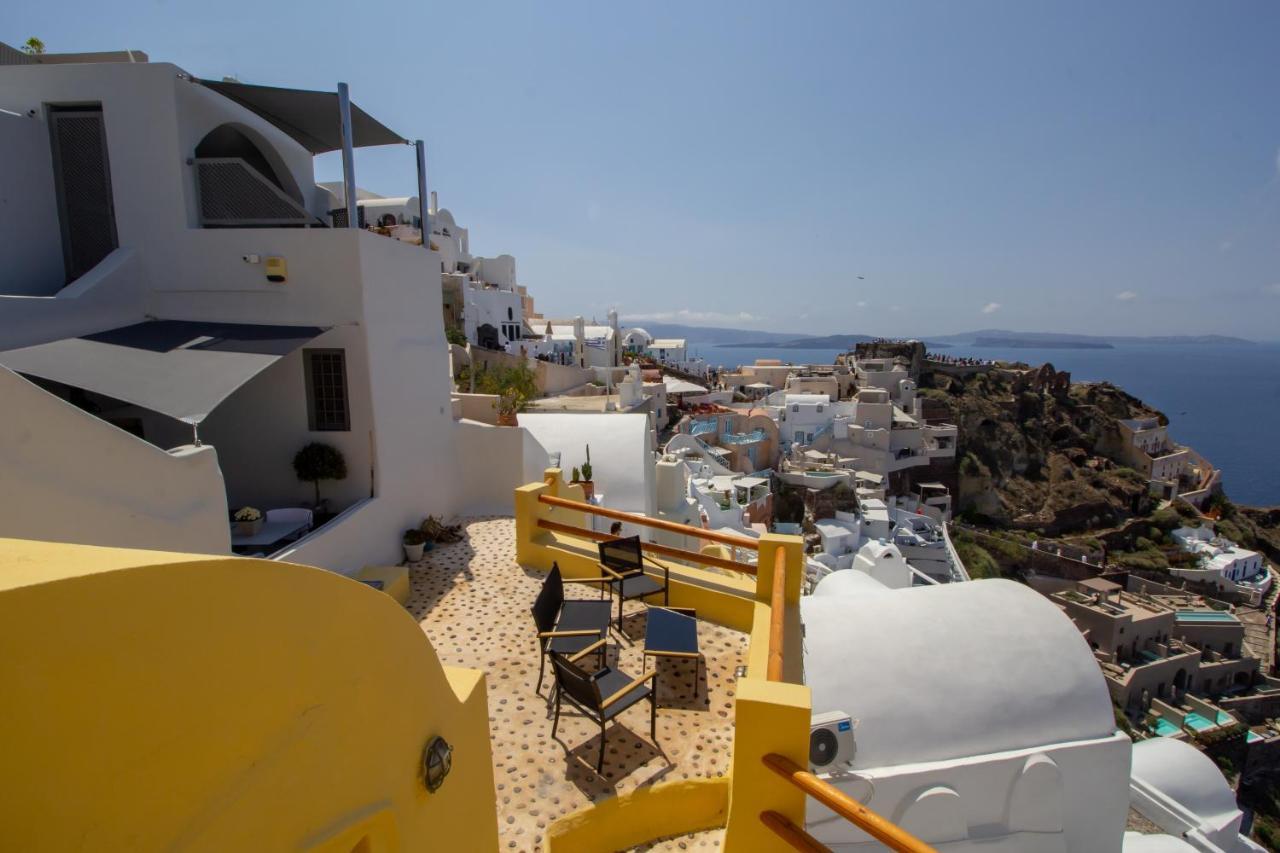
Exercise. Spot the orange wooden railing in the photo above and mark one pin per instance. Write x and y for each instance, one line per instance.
(777, 615)
(653, 547)
(656, 523)
(886, 832)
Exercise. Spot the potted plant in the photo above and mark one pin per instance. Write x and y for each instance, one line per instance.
(317, 462)
(415, 541)
(583, 477)
(513, 386)
(247, 521)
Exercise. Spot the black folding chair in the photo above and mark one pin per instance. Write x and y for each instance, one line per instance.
(567, 627)
(601, 695)
(622, 561)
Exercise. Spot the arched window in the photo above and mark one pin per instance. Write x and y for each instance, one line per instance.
(229, 140)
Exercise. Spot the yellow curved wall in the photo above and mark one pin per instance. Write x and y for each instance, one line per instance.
(157, 700)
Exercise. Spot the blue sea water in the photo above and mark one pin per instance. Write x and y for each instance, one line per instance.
(1221, 399)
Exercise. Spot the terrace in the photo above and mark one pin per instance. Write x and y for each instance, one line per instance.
(472, 600)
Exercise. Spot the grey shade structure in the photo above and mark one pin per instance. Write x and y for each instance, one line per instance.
(312, 118)
(179, 368)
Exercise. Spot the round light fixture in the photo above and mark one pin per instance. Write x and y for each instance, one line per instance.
(437, 761)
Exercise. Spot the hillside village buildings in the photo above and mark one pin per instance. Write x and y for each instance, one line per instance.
(185, 310)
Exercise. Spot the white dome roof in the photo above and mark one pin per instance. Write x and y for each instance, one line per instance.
(952, 671)
(1188, 777)
(849, 582)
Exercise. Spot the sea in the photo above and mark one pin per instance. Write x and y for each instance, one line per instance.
(1221, 399)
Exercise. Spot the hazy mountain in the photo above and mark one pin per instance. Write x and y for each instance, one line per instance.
(1057, 339)
(705, 334)
(722, 337)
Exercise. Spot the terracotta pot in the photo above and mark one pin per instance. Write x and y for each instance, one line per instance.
(507, 419)
(588, 489)
(246, 528)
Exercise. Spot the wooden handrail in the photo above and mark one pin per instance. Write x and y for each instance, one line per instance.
(792, 834)
(777, 615)
(656, 523)
(886, 832)
(652, 548)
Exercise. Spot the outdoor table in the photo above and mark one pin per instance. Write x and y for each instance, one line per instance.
(270, 533)
(673, 632)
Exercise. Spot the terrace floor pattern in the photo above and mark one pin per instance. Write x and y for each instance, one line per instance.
(472, 600)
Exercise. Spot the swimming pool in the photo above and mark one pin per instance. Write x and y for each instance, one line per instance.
(1252, 737)
(1164, 728)
(1199, 723)
(1204, 616)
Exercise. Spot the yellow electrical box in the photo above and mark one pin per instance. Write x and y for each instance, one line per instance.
(276, 270)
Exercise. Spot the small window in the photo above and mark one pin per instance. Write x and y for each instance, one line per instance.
(510, 316)
(326, 376)
(795, 408)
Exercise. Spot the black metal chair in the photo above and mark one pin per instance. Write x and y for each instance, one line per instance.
(623, 562)
(567, 627)
(601, 695)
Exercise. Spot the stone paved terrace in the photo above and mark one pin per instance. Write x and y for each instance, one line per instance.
(473, 601)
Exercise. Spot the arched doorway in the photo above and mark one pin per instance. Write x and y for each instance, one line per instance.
(1180, 680)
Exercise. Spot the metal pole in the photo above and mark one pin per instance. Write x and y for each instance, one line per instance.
(423, 209)
(348, 155)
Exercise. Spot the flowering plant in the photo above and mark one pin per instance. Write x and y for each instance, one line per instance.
(248, 513)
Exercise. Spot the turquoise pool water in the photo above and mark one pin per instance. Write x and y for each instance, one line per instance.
(1225, 719)
(1204, 616)
(1252, 737)
(1199, 723)
(1164, 728)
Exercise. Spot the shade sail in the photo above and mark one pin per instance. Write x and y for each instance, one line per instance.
(310, 117)
(179, 368)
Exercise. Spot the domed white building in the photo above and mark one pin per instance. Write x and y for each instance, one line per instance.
(996, 734)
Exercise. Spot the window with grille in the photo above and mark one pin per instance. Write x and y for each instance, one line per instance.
(327, 409)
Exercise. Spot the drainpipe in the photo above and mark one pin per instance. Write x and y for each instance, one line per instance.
(423, 210)
(348, 155)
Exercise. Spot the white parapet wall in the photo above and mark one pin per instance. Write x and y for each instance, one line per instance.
(70, 477)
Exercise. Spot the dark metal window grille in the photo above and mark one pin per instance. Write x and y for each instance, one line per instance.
(231, 192)
(327, 409)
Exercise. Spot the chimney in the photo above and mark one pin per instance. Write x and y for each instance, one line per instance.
(434, 206)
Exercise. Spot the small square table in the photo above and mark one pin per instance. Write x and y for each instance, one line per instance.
(673, 632)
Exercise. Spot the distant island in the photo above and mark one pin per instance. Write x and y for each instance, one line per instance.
(994, 338)
(1023, 343)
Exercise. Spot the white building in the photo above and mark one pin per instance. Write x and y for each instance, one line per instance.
(980, 721)
(1223, 562)
(671, 351)
(172, 266)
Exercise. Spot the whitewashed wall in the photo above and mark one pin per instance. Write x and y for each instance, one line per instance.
(69, 477)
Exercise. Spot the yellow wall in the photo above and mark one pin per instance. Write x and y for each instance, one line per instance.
(668, 808)
(161, 701)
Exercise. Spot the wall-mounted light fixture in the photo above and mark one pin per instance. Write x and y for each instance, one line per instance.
(437, 761)
(277, 272)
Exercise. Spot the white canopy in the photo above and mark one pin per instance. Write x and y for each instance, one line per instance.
(680, 386)
(179, 368)
(760, 386)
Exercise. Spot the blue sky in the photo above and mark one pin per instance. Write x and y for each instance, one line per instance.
(1082, 167)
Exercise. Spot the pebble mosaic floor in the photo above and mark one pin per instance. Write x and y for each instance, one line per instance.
(473, 601)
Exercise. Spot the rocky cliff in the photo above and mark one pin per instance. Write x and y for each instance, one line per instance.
(1036, 452)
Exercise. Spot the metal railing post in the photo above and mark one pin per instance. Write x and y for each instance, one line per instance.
(348, 155)
(424, 211)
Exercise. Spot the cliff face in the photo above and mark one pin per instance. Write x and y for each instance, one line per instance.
(1035, 452)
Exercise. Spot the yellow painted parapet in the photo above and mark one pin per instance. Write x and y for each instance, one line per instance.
(174, 701)
(770, 717)
(631, 819)
(717, 597)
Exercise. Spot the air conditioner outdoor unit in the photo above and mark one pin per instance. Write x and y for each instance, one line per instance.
(831, 739)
